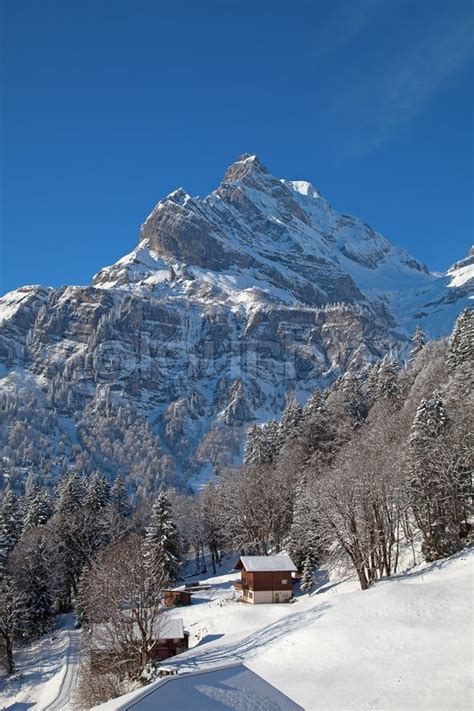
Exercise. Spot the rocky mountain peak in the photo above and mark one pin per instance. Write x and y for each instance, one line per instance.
(295, 246)
(246, 166)
(178, 196)
(226, 304)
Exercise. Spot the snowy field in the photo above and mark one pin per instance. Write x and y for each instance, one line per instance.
(405, 644)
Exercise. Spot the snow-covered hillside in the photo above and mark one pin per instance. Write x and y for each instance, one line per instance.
(227, 303)
(404, 644)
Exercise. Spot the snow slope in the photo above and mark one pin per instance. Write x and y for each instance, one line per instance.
(46, 671)
(404, 644)
(462, 275)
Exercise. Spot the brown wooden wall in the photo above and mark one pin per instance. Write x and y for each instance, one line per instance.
(267, 580)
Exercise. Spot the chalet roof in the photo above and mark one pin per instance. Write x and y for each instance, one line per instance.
(165, 628)
(266, 563)
(180, 589)
(209, 689)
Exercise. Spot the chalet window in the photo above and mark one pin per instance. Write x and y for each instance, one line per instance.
(284, 582)
(251, 594)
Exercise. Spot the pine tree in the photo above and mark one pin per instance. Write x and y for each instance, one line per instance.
(314, 404)
(162, 549)
(118, 497)
(353, 398)
(461, 344)
(33, 565)
(307, 581)
(38, 509)
(212, 532)
(97, 492)
(70, 494)
(263, 443)
(31, 486)
(436, 489)
(10, 524)
(388, 381)
(13, 609)
(253, 445)
(304, 540)
(371, 382)
(418, 343)
(117, 512)
(430, 420)
(272, 441)
(290, 420)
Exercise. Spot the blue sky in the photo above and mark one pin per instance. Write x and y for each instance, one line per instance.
(110, 105)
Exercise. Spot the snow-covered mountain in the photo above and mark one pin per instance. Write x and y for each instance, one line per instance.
(226, 304)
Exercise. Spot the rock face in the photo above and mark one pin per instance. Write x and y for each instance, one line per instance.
(226, 304)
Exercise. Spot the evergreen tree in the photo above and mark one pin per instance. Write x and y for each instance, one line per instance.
(38, 509)
(97, 492)
(10, 523)
(388, 381)
(117, 512)
(307, 581)
(35, 570)
(461, 344)
(70, 494)
(13, 609)
(118, 497)
(287, 430)
(31, 486)
(291, 418)
(263, 443)
(438, 480)
(314, 404)
(430, 420)
(162, 549)
(353, 398)
(272, 441)
(371, 384)
(304, 540)
(212, 532)
(253, 445)
(418, 341)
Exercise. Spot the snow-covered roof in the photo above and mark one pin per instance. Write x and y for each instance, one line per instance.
(266, 563)
(164, 628)
(220, 689)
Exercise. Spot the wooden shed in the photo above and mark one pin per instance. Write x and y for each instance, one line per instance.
(177, 598)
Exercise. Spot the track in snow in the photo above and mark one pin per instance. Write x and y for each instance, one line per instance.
(47, 671)
(68, 683)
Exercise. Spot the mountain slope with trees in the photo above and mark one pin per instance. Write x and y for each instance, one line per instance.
(366, 469)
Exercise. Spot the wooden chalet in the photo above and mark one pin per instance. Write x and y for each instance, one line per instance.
(265, 578)
(169, 639)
